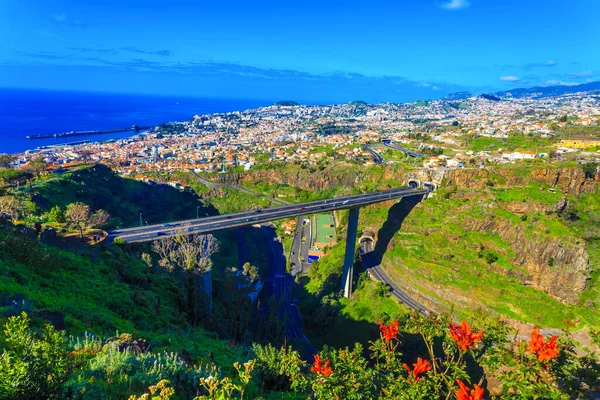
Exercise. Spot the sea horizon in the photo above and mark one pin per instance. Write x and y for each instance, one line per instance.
(41, 111)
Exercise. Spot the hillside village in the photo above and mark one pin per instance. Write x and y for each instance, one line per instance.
(441, 131)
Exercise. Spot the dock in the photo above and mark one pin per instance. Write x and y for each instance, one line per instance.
(135, 128)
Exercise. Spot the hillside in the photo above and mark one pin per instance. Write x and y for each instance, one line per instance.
(495, 239)
(124, 199)
(128, 316)
(548, 91)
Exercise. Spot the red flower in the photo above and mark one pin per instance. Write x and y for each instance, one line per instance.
(421, 367)
(389, 332)
(464, 336)
(464, 393)
(321, 367)
(545, 351)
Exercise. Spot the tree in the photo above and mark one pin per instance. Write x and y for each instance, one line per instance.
(38, 164)
(10, 207)
(15, 177)
(32, 365)
(99, 219)
(590, 169)
(7, 160)
(191, 254)
(77, 215)
(56, 215)
(250, 270)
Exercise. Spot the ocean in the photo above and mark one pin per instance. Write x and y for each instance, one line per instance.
(32, 112)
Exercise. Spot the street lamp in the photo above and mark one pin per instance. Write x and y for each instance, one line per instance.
(141, 223)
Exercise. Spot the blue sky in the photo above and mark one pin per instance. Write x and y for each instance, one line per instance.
(310, 51)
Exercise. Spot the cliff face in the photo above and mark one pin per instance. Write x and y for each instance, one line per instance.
(310, 180)
(556, 266)
(570, 180)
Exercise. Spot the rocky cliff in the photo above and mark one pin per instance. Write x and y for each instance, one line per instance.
(571, 180)
(307, 179)
(556, 266)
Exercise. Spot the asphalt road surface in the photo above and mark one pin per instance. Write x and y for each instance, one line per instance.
(223, 222)
(378, 273)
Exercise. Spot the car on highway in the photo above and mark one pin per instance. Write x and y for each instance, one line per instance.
(258, 211)
(303, 208)
(161, 233)
(249, 219)
(346, 202)
(166, 225)
(229, 217)
(191, 228)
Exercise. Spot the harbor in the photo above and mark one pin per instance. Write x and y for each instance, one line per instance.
(135, 128)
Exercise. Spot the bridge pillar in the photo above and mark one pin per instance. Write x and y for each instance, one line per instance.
(347, 275)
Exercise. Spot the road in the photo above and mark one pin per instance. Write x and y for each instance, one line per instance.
(379, 274)
(376, 156)
(229, 221)
(213, 185)
(296, 246)
(307, 230)
(282, 289)
(388, 143)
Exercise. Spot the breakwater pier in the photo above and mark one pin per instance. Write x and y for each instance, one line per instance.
(135, 128)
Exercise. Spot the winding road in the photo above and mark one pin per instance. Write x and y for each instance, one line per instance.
(377, 272)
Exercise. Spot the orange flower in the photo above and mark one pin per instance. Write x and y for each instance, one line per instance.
(464, 393)
(321, 367)
(389, 332)
(421, 367)
(464, 336)
(545, 351)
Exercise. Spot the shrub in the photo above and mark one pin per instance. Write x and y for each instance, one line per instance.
(33, 364)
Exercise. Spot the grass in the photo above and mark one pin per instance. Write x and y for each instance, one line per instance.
(104, 293)
(436, 253)
(513, 142)
(124, 199)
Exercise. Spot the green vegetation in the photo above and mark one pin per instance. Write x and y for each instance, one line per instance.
(442, 249)
(514, 141)
(437, 250)
(288, 103)
(34, 364)
(124, 199)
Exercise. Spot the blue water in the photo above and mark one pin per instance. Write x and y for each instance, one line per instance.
(32, 112)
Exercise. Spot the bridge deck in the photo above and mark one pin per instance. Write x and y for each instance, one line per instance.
(229, 221)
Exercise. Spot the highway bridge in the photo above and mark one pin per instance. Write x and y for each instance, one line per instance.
(391, 145)
(376, 156)
(231, 221)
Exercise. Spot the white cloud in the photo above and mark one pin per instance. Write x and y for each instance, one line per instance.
(555, 82)
(582, 73)
(455, 4)
(59, 17)
(509, 78)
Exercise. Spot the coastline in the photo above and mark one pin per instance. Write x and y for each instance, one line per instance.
(45, 112)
